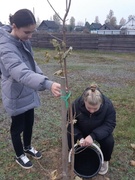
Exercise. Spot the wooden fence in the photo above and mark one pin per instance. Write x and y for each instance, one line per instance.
(121, 43)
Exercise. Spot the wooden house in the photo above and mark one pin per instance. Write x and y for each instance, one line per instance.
(129, 27)
(92, 26)
(48, 26)
(107, 26)
(95, 26)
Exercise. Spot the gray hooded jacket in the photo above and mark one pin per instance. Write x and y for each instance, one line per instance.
(21, 77)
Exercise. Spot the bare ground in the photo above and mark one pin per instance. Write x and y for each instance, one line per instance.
(110, 72)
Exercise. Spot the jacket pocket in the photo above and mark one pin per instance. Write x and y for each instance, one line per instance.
(12, 89)
(25, 101)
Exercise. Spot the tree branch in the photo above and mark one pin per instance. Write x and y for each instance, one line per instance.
(54, 10)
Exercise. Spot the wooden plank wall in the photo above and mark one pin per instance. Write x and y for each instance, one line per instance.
(121, 43)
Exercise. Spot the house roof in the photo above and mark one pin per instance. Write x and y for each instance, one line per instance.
(48, 24)
(79, 28)
(95, 26)
(129, 25)
(107, 26)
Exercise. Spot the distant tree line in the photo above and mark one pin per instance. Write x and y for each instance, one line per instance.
(110, 19)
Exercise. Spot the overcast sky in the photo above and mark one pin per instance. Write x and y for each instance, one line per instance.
(81, 10)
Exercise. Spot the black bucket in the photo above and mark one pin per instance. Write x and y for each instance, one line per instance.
(87, 161)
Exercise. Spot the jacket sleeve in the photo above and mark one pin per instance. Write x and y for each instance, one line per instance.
(107, 126)
(38, 70)
(19, 72)
(27, 44)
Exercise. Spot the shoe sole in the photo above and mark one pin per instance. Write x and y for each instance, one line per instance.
(103, 173)
(33, 156)
(23, 166)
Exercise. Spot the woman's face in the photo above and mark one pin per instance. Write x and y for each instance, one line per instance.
(23, 33)
(92, 108)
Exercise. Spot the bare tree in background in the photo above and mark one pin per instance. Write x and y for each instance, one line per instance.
(38, 21)
(56, 19)
(122, 21)
(80, 23)
(72, 24)
(109, 16)
(96, 19)
(131, 17)
(111, 19)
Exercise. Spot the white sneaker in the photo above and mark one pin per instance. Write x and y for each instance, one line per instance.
(24, 162)
(104, 168)
(33, 152)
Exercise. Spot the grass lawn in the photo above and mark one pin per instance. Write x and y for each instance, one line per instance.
(115, 75)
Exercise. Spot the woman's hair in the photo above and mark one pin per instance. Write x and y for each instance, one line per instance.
(22, 18)
(92, 95)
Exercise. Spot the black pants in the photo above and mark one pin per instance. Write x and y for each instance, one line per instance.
(22, 123)
(106, 146)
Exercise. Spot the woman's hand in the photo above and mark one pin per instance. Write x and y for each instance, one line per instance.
(88, 141)
(56, 89)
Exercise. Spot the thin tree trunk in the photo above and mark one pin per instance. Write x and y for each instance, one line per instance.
(72, 141)
(64, 133)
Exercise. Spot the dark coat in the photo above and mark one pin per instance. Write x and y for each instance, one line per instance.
(98, 125)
